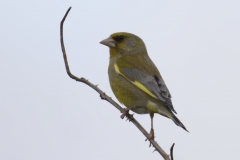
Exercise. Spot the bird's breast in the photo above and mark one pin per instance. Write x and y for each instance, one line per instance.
(126, 92)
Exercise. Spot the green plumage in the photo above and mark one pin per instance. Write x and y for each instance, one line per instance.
(135, 80)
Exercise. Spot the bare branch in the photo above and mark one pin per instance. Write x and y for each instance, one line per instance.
(107, 98)
(171, 151)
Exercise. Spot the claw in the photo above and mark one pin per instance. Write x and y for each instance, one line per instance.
(129, 117)
(126, 112)
(151, 137)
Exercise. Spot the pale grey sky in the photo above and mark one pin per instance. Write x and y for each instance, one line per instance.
(45, 115)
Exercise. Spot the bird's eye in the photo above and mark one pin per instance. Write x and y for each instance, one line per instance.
(120, 38)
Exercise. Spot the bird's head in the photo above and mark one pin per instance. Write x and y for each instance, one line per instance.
(122, 43)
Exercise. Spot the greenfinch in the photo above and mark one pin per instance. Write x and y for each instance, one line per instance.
(135, 80)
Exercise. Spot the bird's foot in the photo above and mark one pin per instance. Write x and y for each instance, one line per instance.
(151, 136)
(125, 112)
(129, 117)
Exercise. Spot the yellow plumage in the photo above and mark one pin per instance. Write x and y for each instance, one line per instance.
(134, 78)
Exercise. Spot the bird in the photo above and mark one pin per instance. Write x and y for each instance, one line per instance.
(136, 81)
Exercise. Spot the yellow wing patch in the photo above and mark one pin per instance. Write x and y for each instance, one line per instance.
(143, 88)
(136, 83)
(116, 68)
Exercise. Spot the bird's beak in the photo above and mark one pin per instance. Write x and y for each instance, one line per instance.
(109, 42)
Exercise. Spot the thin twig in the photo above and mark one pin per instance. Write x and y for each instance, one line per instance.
(171, 151)
(107, 98)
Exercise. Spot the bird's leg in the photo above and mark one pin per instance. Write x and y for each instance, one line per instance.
(152, 131)
(126, 111)
(151, 136)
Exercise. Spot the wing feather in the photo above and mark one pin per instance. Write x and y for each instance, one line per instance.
(153, 85)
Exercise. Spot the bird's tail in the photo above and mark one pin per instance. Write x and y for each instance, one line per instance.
(178, 122)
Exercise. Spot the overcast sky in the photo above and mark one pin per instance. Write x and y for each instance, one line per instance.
(45, 115)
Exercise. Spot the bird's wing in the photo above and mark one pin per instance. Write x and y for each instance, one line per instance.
(152, 84)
